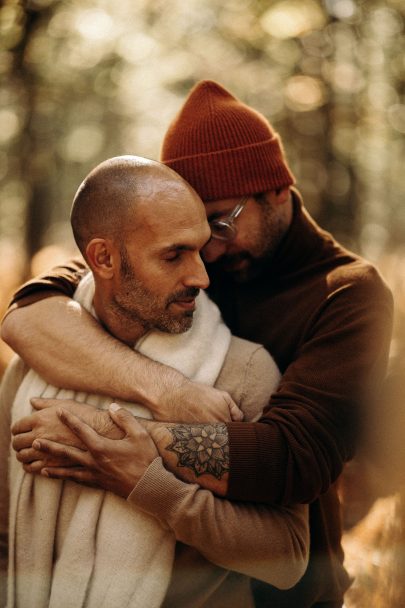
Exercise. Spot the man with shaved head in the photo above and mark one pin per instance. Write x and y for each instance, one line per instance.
(130, 193)
(141, 229)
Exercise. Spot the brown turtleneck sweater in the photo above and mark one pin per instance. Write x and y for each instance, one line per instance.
(326, 316)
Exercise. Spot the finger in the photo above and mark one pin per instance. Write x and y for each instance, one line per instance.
(24, 425)
(39, 403)
(74, 474)
(92, 440)
(124, 419)
(22, 441)
(236, 413)
(28, 455)
(44, 460)
(69, 454)
(34, 467)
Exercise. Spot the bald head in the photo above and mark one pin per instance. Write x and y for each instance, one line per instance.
(107, 200)
(141, 228)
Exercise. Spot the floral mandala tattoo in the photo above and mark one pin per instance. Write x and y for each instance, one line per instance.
(204, 448)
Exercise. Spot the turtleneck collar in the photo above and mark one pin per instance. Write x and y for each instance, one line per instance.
(303, 241)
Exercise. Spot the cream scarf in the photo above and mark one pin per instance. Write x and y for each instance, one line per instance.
(73, 547)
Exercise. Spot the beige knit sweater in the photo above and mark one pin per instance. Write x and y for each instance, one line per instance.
(254, 540)
(271, 544)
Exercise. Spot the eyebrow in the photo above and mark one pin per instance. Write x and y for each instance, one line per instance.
(176, 247)
(182, 247)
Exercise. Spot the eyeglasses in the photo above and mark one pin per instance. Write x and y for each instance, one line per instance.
(224, 229)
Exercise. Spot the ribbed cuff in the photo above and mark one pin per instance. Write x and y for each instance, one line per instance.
(236, 172)
(157, 492)
(258, 463)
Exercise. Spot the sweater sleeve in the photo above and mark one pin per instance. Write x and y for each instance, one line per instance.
(9, 385)
(299, 446)
(61, 280)
(270, 544)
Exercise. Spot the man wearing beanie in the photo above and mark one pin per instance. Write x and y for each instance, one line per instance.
(279, 279)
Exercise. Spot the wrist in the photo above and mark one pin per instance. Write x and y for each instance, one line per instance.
(103, 424)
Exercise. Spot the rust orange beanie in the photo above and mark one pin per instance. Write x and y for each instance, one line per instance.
(223, 148)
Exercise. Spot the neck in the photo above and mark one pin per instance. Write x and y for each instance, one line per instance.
(125, 330)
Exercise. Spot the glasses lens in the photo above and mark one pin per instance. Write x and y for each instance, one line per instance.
(220, 229)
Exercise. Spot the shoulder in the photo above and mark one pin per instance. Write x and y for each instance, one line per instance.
(14, 373)
(61, 280)
(13, 376)
(250, 375)
(244, 354)
(358, 286)
(358, 274)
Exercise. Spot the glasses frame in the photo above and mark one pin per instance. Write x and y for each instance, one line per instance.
(228, 222)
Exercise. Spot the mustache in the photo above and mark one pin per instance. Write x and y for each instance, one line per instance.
(190, 292)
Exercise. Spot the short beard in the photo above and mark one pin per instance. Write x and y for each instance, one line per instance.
(136, 305)
(273, 229)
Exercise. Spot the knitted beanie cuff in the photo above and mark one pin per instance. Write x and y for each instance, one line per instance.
(228, 173)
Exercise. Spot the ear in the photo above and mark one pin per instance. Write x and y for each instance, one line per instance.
(101, 258)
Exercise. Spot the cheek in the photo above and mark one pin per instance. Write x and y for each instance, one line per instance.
(246, 237)
(256, 230)
(214, 249)
(161, 279)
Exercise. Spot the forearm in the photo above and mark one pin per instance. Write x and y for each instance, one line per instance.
(269, 544)
(97, 362)
(195, 453)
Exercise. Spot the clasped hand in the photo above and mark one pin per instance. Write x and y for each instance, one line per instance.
(72, 449)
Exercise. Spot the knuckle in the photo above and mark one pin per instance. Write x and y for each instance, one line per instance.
(17, 445)
(76, 427)
(141, 434)
(62, 452)
(32, 467)
(97, 448)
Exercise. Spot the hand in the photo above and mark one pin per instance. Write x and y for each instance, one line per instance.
(112, 464)
(194, 402)
(46, 424)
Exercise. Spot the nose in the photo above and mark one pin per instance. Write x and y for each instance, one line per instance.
(197, 277)
(213, 250)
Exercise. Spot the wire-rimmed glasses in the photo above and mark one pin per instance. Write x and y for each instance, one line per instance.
(224, 228)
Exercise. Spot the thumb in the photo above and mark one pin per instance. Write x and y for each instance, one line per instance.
(40, 404)
(123, 418)
(236, 413)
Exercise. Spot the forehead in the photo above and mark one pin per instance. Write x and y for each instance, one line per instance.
(170, 215)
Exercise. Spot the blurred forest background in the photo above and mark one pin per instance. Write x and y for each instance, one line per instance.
(84, 80)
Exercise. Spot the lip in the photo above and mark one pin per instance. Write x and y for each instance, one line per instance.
(186, 304)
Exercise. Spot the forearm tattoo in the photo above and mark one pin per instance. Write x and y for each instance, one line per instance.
(203, 448)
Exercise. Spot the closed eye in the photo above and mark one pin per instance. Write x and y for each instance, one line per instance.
(174, 253)
(173, 257)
